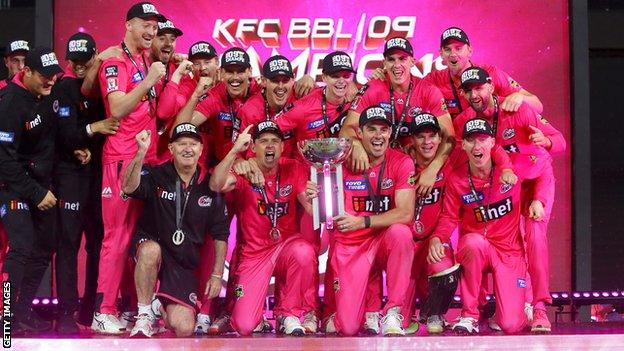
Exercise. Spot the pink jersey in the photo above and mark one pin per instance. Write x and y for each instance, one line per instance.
(254, 112)
(222, 113)
(503, 85)
(513, 131)
(3, 84)
(120, 74)
(254, 224)
(398, 173)
(425, 98)
(306, 120)
(498, 222)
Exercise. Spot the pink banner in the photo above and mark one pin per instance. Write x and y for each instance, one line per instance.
(529, 39)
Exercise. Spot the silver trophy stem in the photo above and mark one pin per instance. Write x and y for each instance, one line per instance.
(339, 185)
(327, 189)
(315, 202)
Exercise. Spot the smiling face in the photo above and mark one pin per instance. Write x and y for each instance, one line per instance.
(163, 47)
(142, 31)
(456, 56)
(337, 84)
(398, 64)
(479, 96)
(277, 90)
(426, 143)
(268, 148)
(236, 79)
(185, 151)
(479, 149)
(80, 67)
(375, 136)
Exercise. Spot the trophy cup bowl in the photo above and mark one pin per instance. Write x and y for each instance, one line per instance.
(327, 154)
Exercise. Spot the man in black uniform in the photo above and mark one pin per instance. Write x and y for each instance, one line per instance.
(14, 57)
(27, 132)
(77, 185)
(181, 209)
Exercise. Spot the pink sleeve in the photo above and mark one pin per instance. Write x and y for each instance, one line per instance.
(405, 174)
(500, 157)
(167, 101)
(113, 77)
(503, 84)
(435, 103)
(555, 136)
(303, 172)
(207, 106)
(451, 207)
(290, 120)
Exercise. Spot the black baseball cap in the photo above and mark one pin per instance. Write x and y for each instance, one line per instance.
(235, 57)
(80, 47)
(185, 129)
(168, 27)
(201, 49)
(425, 121)
(474, 76)
(144, 10)
(477, 126)
(398, 43)
(267, 127)
(277, 65)
(44, 61)
(337, 61)
(17, 47)
(454, 33)
(374, 113)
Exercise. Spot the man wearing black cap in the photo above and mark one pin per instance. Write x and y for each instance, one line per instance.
(487, 212)
(14, 57)
(379, 206)
(182, 209)
(268, 235)
(403, 96)
(530, 140)
(456, 52)
(127, 86)
(78, 185)
(27, 133)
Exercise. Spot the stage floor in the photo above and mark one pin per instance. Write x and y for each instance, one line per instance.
(565, 336)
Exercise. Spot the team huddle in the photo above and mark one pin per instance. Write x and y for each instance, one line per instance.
(152, 154)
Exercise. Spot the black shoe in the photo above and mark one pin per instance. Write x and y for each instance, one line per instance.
(85, 317)
(66, 324)
(32, 322)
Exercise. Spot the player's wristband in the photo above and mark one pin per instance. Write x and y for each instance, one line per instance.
(218, 276)
(367, 221)
(89, 131)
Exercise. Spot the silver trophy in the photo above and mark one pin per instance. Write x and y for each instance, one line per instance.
(326, 156)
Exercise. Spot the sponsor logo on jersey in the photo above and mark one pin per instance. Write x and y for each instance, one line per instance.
(111, 85)
(204, 201)
(452, 103)
(35, 122)
(70, 206)
(414, 111)
(239, 291)
(433, 197)
(494, 211)
(511, 148)
(316, 124)
(411, 180)
(285, 190)
(7, 137)
(55, 106)
(111, 71)
(282, 208)
(63, 112)
(505, 188)
(387, 183)
(470, 198)
(355, 184)
(439, 177)
(366, 204)
(521, 283)
(15, 205)
(224, 116)
(137, 77)
(144, 172)
(193, 297)
(3, 211)
(164, 194)
(509, 133)
(386, 106)
(107, 192)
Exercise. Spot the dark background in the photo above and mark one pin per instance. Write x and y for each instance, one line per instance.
(599, 240)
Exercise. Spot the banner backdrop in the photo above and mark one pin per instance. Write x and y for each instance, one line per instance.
(529, 39)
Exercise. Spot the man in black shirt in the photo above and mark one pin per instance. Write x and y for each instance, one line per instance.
(27, 132)
(181, 209)
(78, 185)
